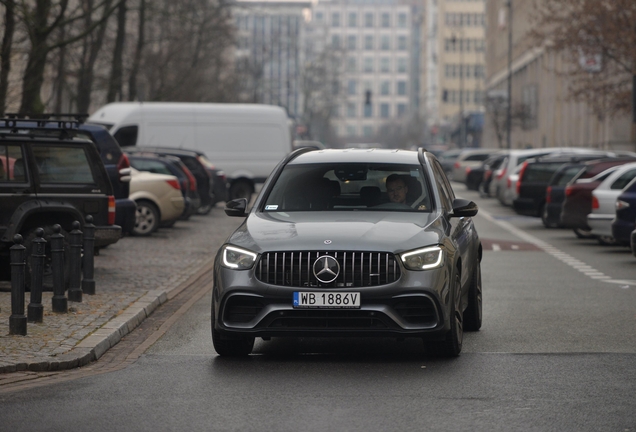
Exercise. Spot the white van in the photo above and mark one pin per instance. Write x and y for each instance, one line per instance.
(246, 141)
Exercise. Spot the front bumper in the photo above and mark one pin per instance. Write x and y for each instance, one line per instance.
(106, 235)
(411, 307)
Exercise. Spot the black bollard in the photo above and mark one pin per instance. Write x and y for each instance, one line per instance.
(17, 320)
(88, 283)
(35, 310)
(74, 288)
(59, 302)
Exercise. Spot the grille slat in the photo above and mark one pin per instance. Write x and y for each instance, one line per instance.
(357, 269)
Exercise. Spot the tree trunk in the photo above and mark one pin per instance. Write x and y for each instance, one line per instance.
(5, 52)
(92, 47)
(115, 82)
(34, 77)
(132, 82)
(61, 75)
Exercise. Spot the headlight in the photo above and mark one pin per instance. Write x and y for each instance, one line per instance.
(423, 259)
(237, 258)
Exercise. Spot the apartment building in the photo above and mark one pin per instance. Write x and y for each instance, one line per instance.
(380, 43)
(550, 118)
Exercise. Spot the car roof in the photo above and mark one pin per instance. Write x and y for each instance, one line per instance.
(357, 156)
(172, 150)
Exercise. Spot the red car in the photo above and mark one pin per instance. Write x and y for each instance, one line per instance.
(578, 193)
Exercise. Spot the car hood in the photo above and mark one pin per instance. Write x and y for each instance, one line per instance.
(356, 231)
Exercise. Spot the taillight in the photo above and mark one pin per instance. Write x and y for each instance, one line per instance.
(501, 175)
(620, 205)
(111, 210)
(548, 195)
(569, 190)
(123, 163)
(521, 172)
(595, 204)
(467, 170)
(456, 165)
(191, 179)
(174, 183)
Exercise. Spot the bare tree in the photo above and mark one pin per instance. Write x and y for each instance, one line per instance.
(5, 50)
(132, 79)
(497, 110)
(600, 32)
(116, 74)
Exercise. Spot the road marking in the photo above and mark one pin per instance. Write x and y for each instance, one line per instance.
(576, 264)
(496, 247)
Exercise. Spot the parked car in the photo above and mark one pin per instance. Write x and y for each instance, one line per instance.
(491, 165)
(198, 166)
(170, 165)
(604, 202)
(159, 200)
(447, 159)
(633, 242)
(467, 160)
(578, 194)
(475, 176)
(354, 263)
(625, 220)
(555, 193)
(49, 177)
(534, 178)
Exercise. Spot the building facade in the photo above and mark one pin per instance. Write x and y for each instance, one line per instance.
(549, 117)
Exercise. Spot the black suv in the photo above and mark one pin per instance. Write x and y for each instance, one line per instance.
(48, 176)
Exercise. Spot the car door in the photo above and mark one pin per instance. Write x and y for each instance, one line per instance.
(16, 188)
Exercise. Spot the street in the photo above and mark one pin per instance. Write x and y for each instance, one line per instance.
(557, 351)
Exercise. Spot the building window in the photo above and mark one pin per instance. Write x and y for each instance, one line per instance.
(402, 20)
(367, 131)
(368, 42)
(401, 43)
(385, 88)
(385, 20)
(351, 42)
(320, 16)
(385, 65)
(368, 64)
(385, 42)
(353, 19)
(351, 64)
(401, 65)
(368, 19)
(335, 41)
(351, 110)
(351, 130)
(401, 109)
(351, 87)
(368, 110)
(401, 88)
(335, 88)
(335, 19)
(384, 110)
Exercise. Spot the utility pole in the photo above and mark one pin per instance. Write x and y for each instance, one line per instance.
(509, 112)
(462, 133)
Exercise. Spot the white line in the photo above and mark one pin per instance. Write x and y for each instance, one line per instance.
(514, 247)
(576, 264)
(496, 247)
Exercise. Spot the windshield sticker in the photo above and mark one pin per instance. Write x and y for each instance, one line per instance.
(271, 207)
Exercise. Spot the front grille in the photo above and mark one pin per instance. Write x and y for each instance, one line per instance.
(416, 310)
(328, 319)
(241, 309)
(357, 269)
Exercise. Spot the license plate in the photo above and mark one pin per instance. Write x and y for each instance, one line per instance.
(326, 300)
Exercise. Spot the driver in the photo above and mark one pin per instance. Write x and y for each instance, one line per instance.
(396, 189)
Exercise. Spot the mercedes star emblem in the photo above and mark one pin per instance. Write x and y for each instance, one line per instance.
(327, 241)
(326, 269)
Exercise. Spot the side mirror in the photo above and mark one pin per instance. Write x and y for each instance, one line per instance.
(464, 208)
(236, 207)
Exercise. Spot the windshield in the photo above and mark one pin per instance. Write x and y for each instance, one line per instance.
(357, 186)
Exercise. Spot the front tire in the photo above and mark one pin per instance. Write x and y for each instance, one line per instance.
(451, 346)
(147, 219)
(230, 347)
(583, 233)
(473, 313)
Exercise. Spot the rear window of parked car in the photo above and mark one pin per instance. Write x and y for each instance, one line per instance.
(57, 164)
(540, 173)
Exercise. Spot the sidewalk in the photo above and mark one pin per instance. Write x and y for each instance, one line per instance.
(133, 277)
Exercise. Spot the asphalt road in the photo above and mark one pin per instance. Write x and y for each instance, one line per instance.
(557, 352)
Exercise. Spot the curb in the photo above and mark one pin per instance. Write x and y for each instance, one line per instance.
(93, 346)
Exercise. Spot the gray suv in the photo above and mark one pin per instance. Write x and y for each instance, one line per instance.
(350, 243)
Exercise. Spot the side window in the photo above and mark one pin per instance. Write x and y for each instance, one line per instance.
(12, 165)
(150, 166)
(624, 179)
(62, 165)
(127, 136)
(443, 188)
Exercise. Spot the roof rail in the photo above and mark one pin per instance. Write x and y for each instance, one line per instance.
(13, 123)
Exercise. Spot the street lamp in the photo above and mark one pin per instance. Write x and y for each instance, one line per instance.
(509, 112)
(462, 136)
